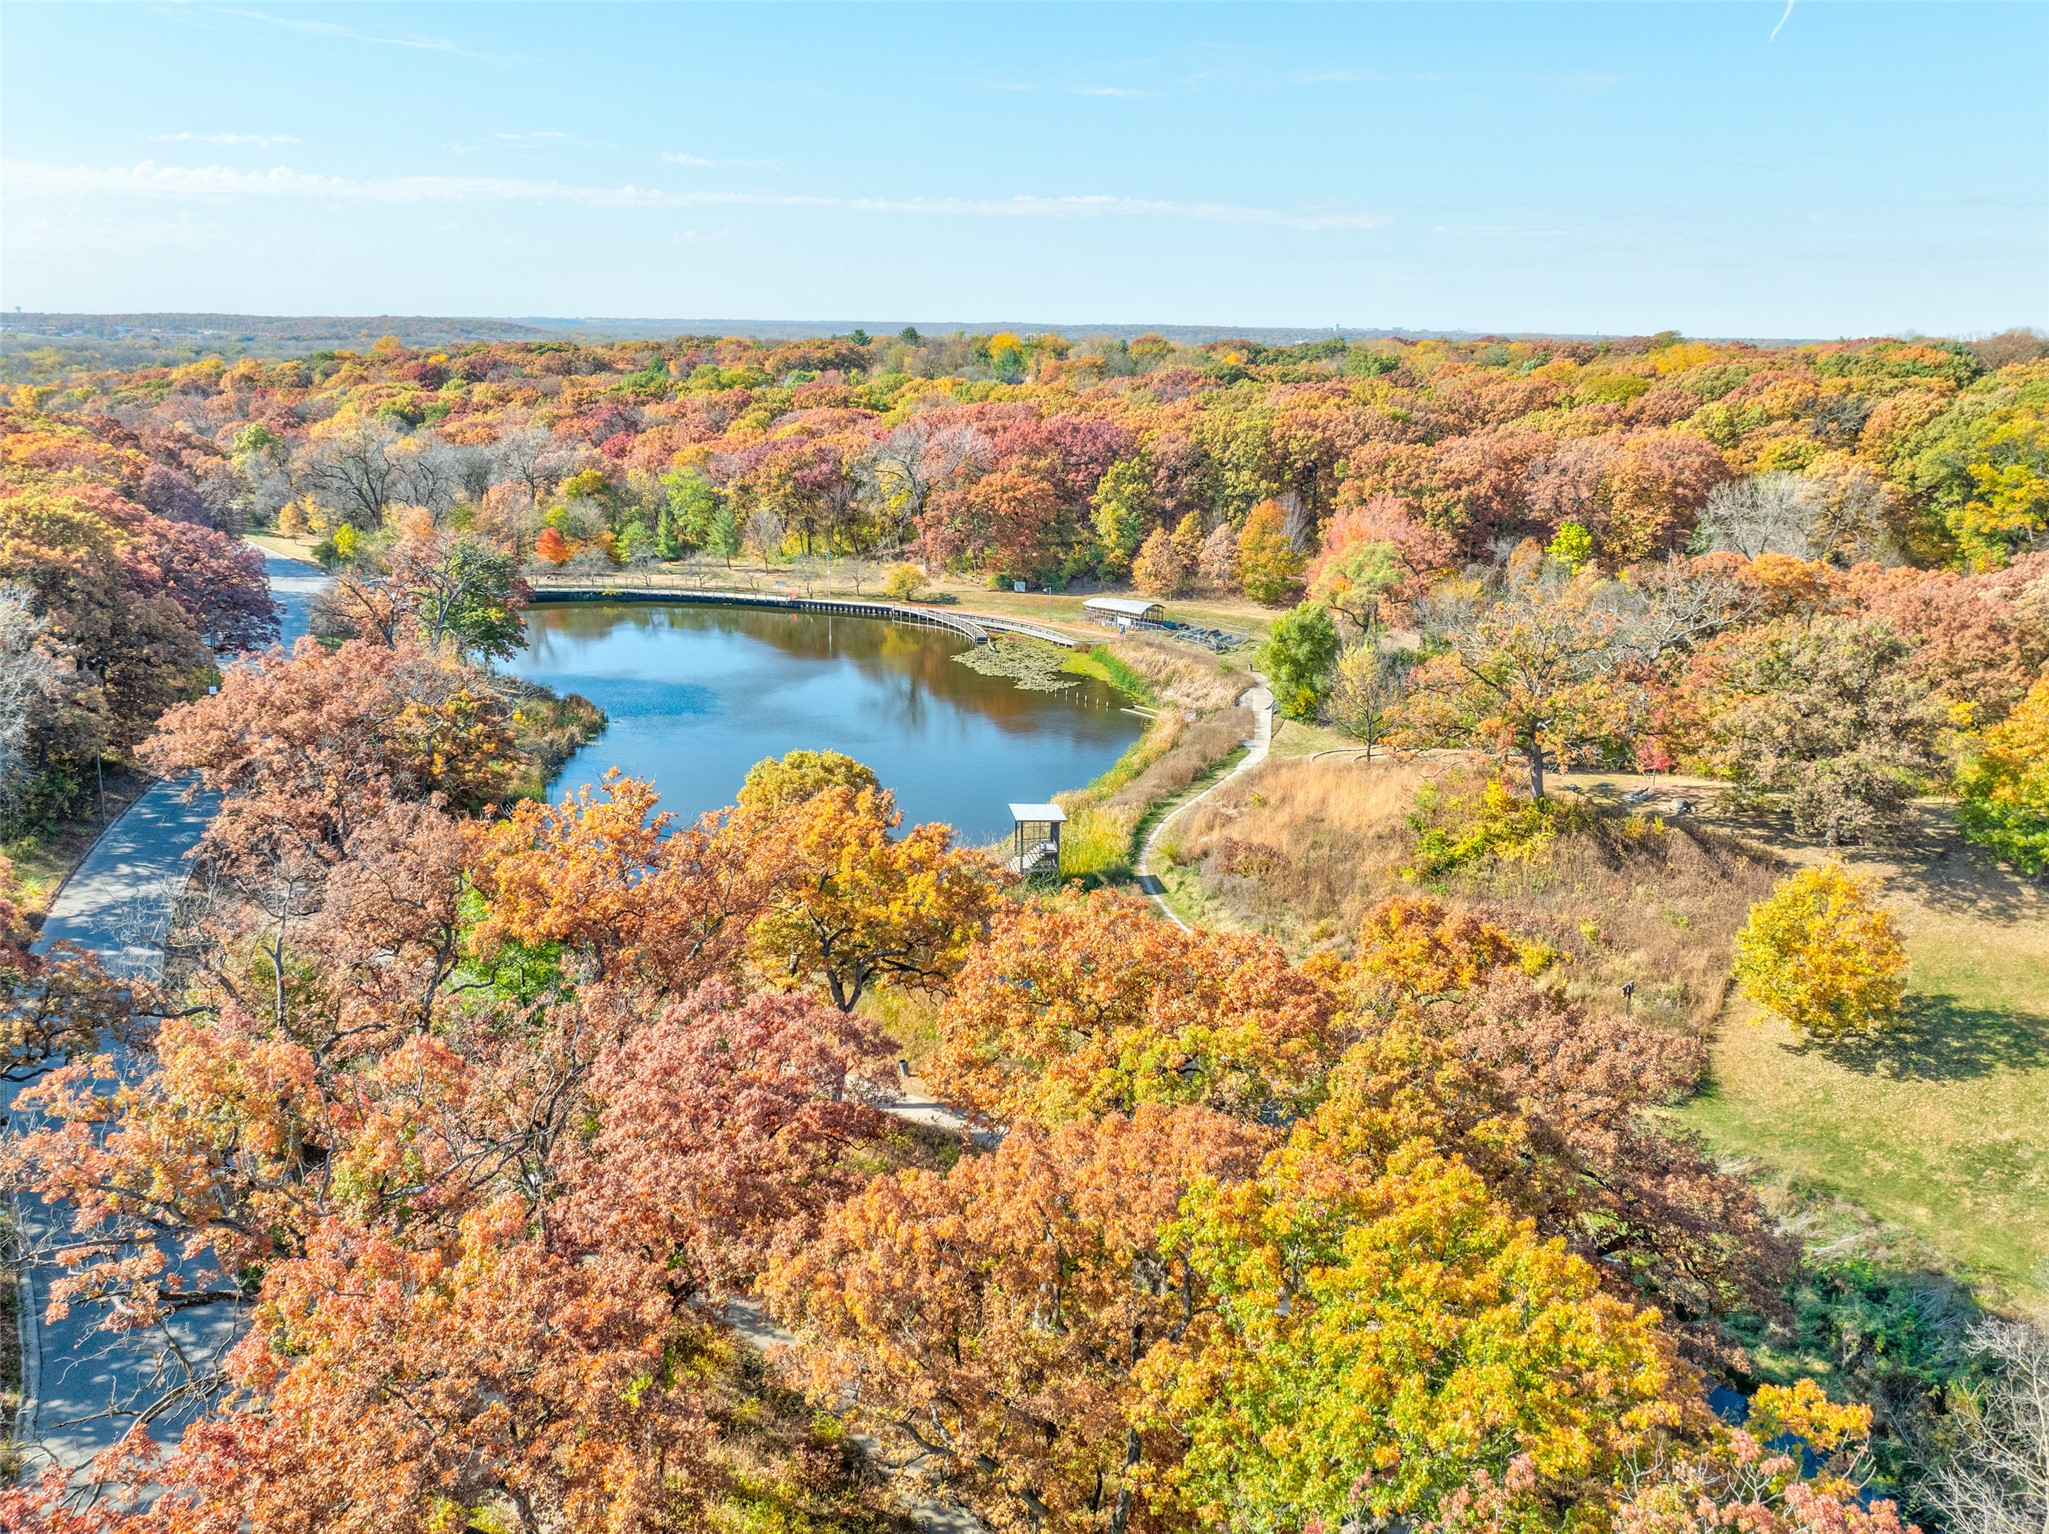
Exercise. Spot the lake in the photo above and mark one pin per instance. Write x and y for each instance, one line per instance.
(697, 695)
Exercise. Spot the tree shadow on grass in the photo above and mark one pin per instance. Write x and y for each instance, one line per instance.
(1939, 1038)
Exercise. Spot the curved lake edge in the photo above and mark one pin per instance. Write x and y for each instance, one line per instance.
(1102, 679)
(976, 627)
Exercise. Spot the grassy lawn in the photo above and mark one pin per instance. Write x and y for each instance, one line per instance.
(1943, 1129)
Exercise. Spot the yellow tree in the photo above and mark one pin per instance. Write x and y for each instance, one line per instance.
(2004, 786)
(1821, 955)
(1386, 1335)
(1269, 564)
(854, 904)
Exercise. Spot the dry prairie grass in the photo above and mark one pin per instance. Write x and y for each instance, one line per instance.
(1191, 678)
(1101, 836)
(1302, 849)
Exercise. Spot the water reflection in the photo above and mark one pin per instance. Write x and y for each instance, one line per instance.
(697, 695)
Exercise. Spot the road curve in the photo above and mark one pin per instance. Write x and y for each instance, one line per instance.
(117, 904)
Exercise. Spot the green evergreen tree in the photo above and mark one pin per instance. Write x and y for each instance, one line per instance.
(722, 537)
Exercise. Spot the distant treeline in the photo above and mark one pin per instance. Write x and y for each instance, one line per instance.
(45, 348)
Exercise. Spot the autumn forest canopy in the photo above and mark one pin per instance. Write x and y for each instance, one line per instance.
(508, 1124)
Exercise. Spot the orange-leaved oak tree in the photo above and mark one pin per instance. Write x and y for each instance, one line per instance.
(989, 1322)
(1536, 665)
(608, 880)
(857, 905)
(1067, 1012)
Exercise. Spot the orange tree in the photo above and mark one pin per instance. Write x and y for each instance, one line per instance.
(1537, 665)
(852, 903)
(989, 1322)
(1064, 1013)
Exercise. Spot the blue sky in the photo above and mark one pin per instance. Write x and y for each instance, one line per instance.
(1612, 167)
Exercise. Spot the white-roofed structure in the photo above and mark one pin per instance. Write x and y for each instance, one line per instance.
(1035, 839)
(1123, 610)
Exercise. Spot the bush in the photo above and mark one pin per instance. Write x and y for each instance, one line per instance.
(902, 583)
(1457, 828)
(1818, 953)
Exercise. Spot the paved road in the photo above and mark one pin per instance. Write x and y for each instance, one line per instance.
(118, 903)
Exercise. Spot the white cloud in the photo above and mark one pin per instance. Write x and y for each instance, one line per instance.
(221, 182)
(253, 140)
(332, 29)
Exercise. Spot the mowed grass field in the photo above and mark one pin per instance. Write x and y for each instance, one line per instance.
(1944, 1128)
(1940, 1132)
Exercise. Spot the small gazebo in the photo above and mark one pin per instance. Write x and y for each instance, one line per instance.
(1035, 841)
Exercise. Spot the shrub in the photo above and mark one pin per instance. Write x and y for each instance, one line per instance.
(1459, 829)
(1818, 953)
(902, 583)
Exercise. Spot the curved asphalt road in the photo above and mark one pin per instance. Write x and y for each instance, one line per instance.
(78, 1385)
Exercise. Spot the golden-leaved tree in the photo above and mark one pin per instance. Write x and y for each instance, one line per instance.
(1820, 953)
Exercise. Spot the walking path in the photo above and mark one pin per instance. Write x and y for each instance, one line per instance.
(974, 626)
(1261, 701)
(79, 1385)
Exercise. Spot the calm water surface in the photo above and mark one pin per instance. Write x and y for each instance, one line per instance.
(697, 695)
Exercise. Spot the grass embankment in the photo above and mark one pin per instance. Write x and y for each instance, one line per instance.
(1196, 725)
(548, 729)
(1941, 1129)
(42, 859)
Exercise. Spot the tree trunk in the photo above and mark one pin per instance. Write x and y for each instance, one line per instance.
(1122, 1515)
(1535, 753)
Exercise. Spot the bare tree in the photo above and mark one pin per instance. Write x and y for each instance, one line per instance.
(426, 472)
(476, 471)
(1677, 604)
(529, 455)
(1853, 515)
(908, 464)
(1771, 513)
(1997, 1479)
(351, 471)
(766, 532)
(31, 682)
